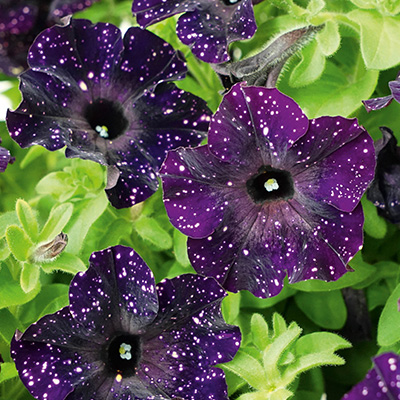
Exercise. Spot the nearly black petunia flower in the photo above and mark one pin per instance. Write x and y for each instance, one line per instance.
(5, 158)
(381, 102)
(271, 194)
(123, 337)
(207, 26)
(108, 100)
(381, 382)
(385, 188)
(22, 20)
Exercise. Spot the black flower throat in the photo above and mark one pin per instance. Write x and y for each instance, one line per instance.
(270, 184)
(122, 356)
(107, 118)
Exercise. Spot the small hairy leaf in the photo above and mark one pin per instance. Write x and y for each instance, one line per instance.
(18, 242)
(27, 218)
(58, 218)
(389, 321)
(30, 277)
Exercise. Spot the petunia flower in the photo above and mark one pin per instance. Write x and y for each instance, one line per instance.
(124, 337)
(381, 382)
(207, 26)
(108, 100)
(5, 158)
(22, 20)
(385, 188)
(381, 102)
(272, 194)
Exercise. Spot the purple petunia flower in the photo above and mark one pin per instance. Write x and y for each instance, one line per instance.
(385, 188)
(207, 26)
(123, 337)
(108, 100)
(381, 382)
(381, 102)
(5, 158)
(271, 194)
(22, 20)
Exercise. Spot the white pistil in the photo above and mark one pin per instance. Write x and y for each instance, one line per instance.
(271, 184)
(102, 131)
(125, 351)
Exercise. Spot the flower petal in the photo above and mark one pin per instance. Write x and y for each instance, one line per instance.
(196, 185)
(334, 162)
(188, 336)
(46, 121)
(146, 61)
(117, 287)
(377, 103)
(381, 382)
(53, 355)
(151, 11)
(5, 158)
(255, 120)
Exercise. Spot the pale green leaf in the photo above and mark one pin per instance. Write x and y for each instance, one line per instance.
(341, 88)
(18, 242)
(65, 262)
(374, 225)
(150, 230)
(389, 321)
(231, 307)
(180, 248)
(247, 368)
(259, 331)
(8, 371)
(310, 67)
(58, 218)
(30, 277)
(7, 219)
(328, 38)
(27, 219)
(85, 214)
(11, 292)
(380, 38)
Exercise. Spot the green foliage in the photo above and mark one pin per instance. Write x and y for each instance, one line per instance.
(351, 58)
(272, 359)
(389, 322)
(327, 311)
(379, 38)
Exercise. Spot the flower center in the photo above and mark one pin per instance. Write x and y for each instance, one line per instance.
(270, 184)
(107, 118)
(124, 354)
(231, 2)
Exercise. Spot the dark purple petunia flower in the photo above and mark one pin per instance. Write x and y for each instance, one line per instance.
(207, 26)
(271, 194)
(382, 381)
(385, 188)
(22, 20)
(123, 337)
(381, 102)
(5, 158)
(108, 100)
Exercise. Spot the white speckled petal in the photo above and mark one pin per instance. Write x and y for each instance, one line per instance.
(382, 381)
(207, 26)
(55, 354)
(196, 189)
(116, 293)
(189, 336)
(259, 122)
(334, 162)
